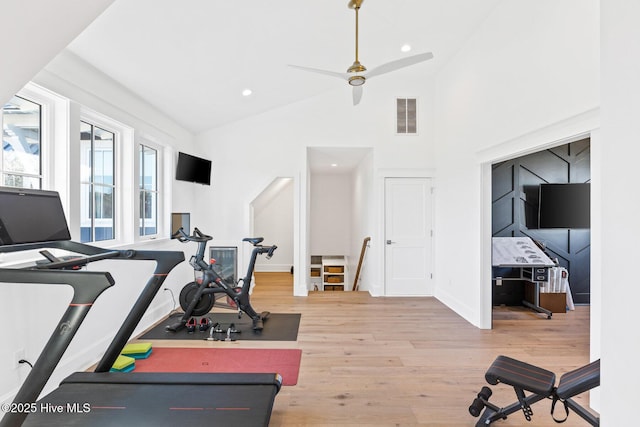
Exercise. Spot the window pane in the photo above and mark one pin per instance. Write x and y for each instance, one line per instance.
(103, 209)
(148, 170)
(103, 202)
(148, 195)
(103, 156)
(97, 178)
(21, 181)
(148, 213)
(86, 218)
(21, 137)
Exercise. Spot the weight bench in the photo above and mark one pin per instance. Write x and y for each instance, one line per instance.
(540, 384)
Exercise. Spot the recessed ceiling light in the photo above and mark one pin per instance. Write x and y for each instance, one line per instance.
(246, 92)
(405, 48)
(334, 165)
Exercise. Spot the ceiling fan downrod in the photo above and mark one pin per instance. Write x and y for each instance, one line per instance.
(356, 67)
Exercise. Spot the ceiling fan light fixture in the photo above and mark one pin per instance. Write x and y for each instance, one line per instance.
(357, 80)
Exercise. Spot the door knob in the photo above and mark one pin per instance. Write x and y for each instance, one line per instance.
(389, 242)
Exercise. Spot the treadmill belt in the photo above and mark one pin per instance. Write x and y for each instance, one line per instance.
(158, 399)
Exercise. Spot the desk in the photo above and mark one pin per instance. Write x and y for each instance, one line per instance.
(523, 254)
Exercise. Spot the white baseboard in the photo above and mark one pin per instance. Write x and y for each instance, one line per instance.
(273, 268)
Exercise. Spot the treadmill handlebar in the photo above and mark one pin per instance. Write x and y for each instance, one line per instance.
(87, 285)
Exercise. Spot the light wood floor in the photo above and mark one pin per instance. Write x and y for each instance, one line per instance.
(406, 361)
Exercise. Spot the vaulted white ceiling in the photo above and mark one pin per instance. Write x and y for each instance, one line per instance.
(192, 59)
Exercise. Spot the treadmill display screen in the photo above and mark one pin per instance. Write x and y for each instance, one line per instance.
(31, 216)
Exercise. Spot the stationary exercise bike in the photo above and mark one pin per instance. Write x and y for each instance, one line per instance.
(197, 298)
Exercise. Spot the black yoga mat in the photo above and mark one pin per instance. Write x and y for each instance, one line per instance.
(277, 327)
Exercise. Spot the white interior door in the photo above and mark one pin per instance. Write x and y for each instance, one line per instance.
(408, 219)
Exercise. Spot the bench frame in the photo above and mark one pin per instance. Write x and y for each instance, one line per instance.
(540, 384)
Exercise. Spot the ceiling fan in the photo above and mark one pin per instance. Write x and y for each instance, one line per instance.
(357, 74)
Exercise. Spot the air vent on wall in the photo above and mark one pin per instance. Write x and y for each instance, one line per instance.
(406, 113)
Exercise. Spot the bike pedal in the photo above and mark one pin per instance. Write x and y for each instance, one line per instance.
(191, 325)
(205, 323)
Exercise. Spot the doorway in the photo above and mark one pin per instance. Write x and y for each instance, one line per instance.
(272, 219)
(514, 208)
(340, 211)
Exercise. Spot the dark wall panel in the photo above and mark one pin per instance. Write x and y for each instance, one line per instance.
(515, 185)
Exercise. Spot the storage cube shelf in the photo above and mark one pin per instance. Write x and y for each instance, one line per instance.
(329, 273)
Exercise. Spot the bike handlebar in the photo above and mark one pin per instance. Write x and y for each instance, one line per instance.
(271, 251)
(197, 236)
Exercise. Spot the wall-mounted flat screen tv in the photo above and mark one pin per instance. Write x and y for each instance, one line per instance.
(564, 206)
(193, 169)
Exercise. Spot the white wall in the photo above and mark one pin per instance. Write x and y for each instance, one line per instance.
(531, 66)
(363, 220)
(36, 36)
(619, 207)
(273, 220)
(35, 310)
(330, 216)
(247, 155)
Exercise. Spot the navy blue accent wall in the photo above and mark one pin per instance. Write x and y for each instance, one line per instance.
(515, 185)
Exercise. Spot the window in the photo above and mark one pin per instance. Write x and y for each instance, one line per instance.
(148, 185)
(20, 159)
(97, 194)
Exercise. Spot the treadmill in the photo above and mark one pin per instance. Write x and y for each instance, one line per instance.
(35, 220)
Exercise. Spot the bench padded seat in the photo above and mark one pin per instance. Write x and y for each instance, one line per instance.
(521, 375)
(579, 380)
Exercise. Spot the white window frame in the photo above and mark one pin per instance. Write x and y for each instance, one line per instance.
(53, 109)
(123, 178)
(54, 150)
(147, 141)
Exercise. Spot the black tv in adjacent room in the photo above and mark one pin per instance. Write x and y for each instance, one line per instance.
(193, 169)
(564, 205)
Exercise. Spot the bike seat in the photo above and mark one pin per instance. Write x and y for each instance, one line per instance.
(253, 240)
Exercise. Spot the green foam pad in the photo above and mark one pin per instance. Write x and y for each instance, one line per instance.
(136, 348)
(123, 364)
(140, 355)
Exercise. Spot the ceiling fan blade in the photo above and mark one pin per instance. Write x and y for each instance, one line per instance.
(399, 63)
(357, 94)
(343, 76)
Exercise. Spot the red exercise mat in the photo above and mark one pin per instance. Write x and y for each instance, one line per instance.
(285, 362)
